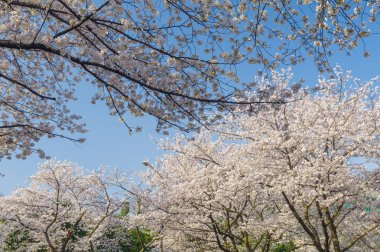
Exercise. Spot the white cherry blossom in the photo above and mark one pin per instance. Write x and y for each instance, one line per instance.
(295, 172)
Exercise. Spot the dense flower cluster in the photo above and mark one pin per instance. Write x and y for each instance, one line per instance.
(64, 209)
(299, 172)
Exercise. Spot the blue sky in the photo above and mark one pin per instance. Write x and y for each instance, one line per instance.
(108, 141)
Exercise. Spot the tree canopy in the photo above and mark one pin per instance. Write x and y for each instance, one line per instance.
(292, 176)
(173, 60)
(295, 173)
(64, 209)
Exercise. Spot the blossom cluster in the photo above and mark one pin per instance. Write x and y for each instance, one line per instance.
(304, 172)
(64, 209)
(173, 60)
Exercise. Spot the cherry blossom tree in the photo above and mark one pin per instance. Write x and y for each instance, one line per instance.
(64, 209)
(298, 172)
(173, 60)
